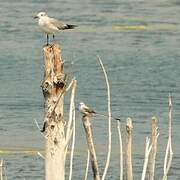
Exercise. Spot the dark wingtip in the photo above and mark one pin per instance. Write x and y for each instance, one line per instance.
(70, 26)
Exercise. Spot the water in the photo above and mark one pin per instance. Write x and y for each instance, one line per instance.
(138, 42)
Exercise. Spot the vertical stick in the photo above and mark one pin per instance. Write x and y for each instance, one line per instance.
(53, 88)
(1, 169)
(169, 152)
(148, 148)
(120, 149)
(109, 121)
(89, 138)
(152, 158)
(73, 137)
(87, 166)
(129, 128)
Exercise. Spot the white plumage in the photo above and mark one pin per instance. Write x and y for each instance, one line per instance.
(85, 109)
(51, 25)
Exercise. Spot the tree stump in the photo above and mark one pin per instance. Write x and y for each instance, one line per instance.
(53, 86)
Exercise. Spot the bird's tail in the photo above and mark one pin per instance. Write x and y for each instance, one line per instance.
(104, 115)
(70, 26)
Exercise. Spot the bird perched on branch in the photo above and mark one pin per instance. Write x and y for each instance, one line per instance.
(85, 109)
(88, 111)
(51, 25)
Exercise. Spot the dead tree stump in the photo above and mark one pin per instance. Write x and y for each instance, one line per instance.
(53, 86)
(89, 138)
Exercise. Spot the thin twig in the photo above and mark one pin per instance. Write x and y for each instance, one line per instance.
(120, 149)
(109, 120)
(146, 157)
(169, 152)
(87, 165)
(71, 109)
(39, 128)
(73, 143)
(39, 154)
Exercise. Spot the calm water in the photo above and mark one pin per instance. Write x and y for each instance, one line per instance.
(138, 42)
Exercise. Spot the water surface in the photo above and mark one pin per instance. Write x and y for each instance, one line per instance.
(138, 42)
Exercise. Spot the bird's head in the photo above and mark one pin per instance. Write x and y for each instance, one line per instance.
(81, 103)
(40, 14)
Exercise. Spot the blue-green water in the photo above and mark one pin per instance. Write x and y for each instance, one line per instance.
(138, 42)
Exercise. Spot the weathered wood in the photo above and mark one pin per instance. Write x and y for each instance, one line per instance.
(129, 128)
(89, 138)
(152, 158)
(53, 90)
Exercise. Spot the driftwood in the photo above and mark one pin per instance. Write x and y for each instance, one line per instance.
(129, 128)
(89, 138)
(53, 87)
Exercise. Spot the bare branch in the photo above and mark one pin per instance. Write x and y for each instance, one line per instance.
(39, 128)
(129, 128)
(169, 152)
(89, 138)
(71, 111)
(109, 120)
(146, 157)
(73, 142)
(87, 165)
(39, 154)
(120, 149)
(152, 158)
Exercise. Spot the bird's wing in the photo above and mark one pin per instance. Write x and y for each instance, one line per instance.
(60, 25)
(89, 110)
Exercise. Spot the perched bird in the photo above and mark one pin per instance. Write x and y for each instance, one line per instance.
(85, 109)
(51, 25)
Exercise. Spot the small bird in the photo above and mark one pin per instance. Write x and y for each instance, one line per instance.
(85, 109)
(88, 111)
(51, 25)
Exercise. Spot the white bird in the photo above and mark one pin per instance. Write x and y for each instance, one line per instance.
(85, 109)
(88, 111)
(51, 25)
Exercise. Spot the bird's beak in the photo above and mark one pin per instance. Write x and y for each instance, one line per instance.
(35, 17)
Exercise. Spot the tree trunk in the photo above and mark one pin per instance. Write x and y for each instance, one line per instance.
(53, 90)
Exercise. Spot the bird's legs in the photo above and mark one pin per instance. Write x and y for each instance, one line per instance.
(47, 39)
(53, 37)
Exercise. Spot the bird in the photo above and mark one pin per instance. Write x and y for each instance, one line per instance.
(85, 110)
(51, 25)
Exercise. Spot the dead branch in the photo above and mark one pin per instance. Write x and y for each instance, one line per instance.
(169, 152)
(73, 141)
(152, 157)
(87, 166)
(109, 120)
(120, 149)
(146, 157)
(129, 128)
(89, 138)
(69, 129)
